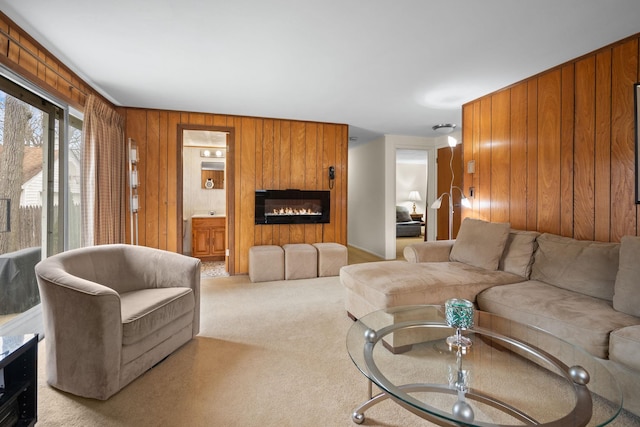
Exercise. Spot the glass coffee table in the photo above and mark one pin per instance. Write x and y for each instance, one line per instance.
(511, 374)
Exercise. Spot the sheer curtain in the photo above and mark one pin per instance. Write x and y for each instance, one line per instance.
(103, 175)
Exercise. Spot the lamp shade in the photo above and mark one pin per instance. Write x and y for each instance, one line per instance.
(414, 196)
(437, 203)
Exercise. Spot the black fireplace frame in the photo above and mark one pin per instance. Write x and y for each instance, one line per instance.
(263, 196)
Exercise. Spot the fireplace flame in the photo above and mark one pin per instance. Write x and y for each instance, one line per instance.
(293, 211)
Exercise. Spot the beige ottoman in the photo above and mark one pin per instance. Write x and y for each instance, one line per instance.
(266, 263)
(300, 261)
(331, 257)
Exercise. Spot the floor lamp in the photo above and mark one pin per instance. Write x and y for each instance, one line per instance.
(464, 201)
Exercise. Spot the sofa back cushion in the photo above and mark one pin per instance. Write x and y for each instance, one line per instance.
(582, 266)
(517, 257)
(402, 214)
(480, 243)
(626, 297)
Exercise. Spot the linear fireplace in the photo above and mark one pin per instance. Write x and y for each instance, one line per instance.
(292, 207)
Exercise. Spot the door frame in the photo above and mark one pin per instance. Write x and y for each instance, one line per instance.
(229, 188)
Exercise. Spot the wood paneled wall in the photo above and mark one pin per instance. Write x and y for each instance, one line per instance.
(263, 154)
(555, 153)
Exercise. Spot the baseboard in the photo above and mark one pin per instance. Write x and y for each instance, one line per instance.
(365, 250)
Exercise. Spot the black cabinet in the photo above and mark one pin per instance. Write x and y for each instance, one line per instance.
(18, 380)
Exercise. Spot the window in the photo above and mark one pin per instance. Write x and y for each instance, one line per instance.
(40, 144)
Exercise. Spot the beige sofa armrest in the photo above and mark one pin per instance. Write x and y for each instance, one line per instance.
(174, 269)
(437, 251)
(80, 317)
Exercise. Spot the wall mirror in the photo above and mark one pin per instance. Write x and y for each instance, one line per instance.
(212, 175)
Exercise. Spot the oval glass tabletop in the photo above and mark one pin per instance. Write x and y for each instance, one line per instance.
(509, 375)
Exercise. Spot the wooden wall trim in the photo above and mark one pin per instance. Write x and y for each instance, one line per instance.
(22, 54)
(555, 152)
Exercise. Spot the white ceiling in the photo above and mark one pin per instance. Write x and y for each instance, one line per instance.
(381, 66)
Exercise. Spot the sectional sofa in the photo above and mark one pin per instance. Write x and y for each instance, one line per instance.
(585, 292)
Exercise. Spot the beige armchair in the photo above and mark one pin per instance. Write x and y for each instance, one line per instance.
(111, 312)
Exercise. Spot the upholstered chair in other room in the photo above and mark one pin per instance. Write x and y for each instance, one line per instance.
(405, 226)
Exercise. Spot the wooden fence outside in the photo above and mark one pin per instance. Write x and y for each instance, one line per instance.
(29, 228)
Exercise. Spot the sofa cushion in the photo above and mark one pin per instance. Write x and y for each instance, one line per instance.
(394, 283)
(577, 265)
(149, 346)
(402, 214)
(480, 243)
(517, 257)
(572, 316)
(626, 297)
(431, 251)
(625, 346)
(147, 310)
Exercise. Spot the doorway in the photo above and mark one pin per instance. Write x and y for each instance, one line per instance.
(411, 191)
(411, 196)
(206, 208)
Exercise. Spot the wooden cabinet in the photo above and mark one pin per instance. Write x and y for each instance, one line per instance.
(18, 380)
(208, 240)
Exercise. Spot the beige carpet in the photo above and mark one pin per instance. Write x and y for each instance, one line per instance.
(269, 354)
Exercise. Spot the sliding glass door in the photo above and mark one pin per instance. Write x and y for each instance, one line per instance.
(40, 146)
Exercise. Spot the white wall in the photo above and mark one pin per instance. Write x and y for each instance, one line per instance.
(366, 201)
(396, 142)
